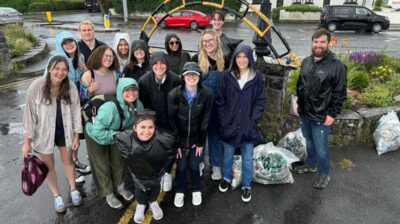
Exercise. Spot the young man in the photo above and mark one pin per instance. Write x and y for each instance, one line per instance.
(321, 91)
(154, 88)
(88, 42)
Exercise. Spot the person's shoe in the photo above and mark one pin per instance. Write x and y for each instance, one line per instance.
(179, 200)
(246, 195)
(59, 205)
(79, 178)
(139, 213)
(305, 169)
(201, 168)
(166, 182)
(113, 202)
(322, 182)
(223, 185)
(82, 168)
(216, 173)
(75, 197)
(196, 198)
(157, 212)
(127, 195)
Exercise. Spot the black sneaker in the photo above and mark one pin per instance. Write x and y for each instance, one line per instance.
(246, 195)
(79, 178)
(82, 168)
(223, 185)
(322, 182)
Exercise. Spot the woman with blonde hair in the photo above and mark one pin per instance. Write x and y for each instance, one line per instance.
(212, 62)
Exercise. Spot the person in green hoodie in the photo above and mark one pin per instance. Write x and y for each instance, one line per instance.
(104, 156)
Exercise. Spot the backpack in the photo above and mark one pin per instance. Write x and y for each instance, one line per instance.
(89, 109)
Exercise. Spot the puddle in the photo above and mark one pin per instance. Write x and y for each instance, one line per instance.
(12, 128)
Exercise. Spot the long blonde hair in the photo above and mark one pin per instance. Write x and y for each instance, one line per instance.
(219, 55)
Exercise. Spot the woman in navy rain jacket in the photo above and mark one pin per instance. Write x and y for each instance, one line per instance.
(240, 103)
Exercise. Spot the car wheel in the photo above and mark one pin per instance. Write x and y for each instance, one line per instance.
(332, 26)
(377, 27)
(163, 25)
(193, 25)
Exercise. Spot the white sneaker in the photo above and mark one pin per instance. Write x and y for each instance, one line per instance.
(216, 173)
(196, 198)
(166, 182)
(113, 202)
(139, 213)
(157, 212)
(201, 168)
(178, 201)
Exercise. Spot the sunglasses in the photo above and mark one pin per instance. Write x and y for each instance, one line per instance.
(174, 43)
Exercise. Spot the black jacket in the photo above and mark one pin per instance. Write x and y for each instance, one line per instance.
(175, 60)
(133, 70)
(154, 96)
(321, 88)
(146, 159)
(85, 50)
(189, 122)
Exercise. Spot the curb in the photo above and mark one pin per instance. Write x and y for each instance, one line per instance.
(34, 55)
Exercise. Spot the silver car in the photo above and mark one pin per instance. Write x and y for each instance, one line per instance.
(10, 15)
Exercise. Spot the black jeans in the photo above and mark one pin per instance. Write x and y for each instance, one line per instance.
(148, 196)
(188, 159)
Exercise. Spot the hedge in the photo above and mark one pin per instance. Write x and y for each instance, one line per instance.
(58, 5)
(137, 6)
(20, 5)
(293, 8)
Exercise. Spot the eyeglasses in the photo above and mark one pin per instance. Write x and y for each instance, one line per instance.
(174, 43)
(108, 56)
(210, 41)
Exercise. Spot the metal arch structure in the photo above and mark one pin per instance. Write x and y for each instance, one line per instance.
(261, 33)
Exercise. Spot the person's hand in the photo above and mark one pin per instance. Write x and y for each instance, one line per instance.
(82, 67)
(94, 86)
(199, 150)
(179, 153)
(26, 150)
(329, 120)
(75, 143)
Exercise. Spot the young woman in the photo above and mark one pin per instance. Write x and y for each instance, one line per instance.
(139, 63)
(189, 107)
(122, 47)
(212, 62)
(147, 152)
(103, 73)
(176, 58)
(239, 103)
(104, 156)
(52, 117)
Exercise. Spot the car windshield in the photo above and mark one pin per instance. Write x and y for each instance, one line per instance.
(7, 10)
(201, 14)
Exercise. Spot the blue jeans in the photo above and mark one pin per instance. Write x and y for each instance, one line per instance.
(316, 135)
(193, 162)
(247, 163)
(214, 141)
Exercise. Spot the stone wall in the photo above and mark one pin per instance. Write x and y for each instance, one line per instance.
(5, 65)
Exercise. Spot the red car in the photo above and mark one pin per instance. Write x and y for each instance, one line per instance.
(185, 18)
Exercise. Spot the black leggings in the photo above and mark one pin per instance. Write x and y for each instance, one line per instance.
(148, 196)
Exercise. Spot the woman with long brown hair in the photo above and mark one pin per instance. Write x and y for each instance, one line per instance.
(52, 117)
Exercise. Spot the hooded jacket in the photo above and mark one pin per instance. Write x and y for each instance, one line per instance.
(321, 88)
(133, 70)
(175, 60)
(228, 45)
(146, 159)
(107, 121)
(74, 74)
(239, 109)
(189, 122)
(117, 38)
(154, 95)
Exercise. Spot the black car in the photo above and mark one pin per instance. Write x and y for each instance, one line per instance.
(92, 5)
(352, 17)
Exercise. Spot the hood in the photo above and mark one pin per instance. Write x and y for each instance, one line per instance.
(60, 38)
(158, 56)
(142, 45)
(122, 83)
(168, 38)
(242, 47)
(122, 36)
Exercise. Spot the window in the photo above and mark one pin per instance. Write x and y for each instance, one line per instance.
(187, 13)
(362, 12)
(176, 14)
(341, 11)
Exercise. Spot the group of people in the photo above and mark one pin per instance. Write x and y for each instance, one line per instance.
(167, 107)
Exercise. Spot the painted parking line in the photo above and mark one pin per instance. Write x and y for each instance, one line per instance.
(13, 84)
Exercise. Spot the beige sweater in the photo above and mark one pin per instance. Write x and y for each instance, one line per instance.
(39, 119)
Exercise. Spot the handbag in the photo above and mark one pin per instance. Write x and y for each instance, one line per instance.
(34, 172)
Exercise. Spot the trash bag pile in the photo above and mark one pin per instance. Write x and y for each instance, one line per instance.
(296, 143)
(236, 171)
(387, 133)
(272, 164)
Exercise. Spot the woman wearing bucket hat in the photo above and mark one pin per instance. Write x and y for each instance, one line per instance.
(189, 107)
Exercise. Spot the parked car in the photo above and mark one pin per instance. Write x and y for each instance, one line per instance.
(10, 16)
(92, 5)
(185, 18)
(352, 17)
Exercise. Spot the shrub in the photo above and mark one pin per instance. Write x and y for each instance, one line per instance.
(275, 14)
(377, 9)
(393, 85)
(378, 3)
(377, 96)
(383, 72)
(369, 59)
(398, 10)
(18, 40)
(302, 8)
(387, 6)
(348, 103)
(20, 5)
(292, 82)
(359, 81)
(57, 5)
(393, 62)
